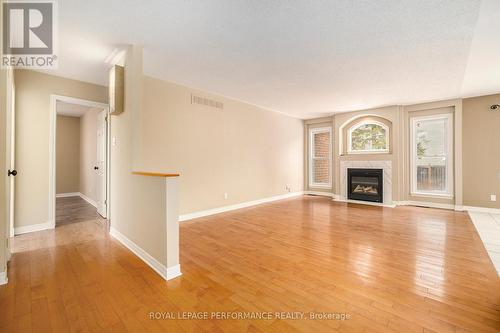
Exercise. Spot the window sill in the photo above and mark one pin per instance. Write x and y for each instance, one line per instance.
(326, 186)
(432, 195)
(368, 152)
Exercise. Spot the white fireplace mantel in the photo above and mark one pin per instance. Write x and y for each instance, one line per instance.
(386, 166)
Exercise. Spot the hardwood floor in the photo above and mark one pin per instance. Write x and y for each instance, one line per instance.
(391, 270)
(73, 210)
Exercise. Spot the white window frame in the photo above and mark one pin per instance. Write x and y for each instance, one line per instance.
(312, 132)
(372, 151)
(448, 193)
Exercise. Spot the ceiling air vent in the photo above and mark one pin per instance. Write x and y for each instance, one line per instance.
(207, 102)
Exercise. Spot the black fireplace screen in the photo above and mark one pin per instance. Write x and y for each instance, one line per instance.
(365, 184)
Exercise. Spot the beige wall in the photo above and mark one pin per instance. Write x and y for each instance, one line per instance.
(340, 123)
(392, 115)
(397, 118)
(242, 150)
(137, 202)
(481, 151)
(77, 153)
(88, 153)
(67, 154)
(33, 92)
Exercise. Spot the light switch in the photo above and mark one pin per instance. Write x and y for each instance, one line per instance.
(113, 141)
(493, 197)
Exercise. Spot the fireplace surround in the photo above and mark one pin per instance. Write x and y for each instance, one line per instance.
(365, 184)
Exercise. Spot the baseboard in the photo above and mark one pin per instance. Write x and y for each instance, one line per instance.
(86, 198)
(3, 278)
(448, 206)
(481, 209)
(173, 272)
(219, 210)
(66, 195)
(426, 204)
(34, 227)
(8, 253)
(77, 194)
(319, 193)
(379, 204)
(164, 272)
(51, 224)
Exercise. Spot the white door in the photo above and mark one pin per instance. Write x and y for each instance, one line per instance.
(101, 167)
(10, 153)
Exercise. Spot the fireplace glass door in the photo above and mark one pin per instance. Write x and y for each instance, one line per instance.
(365, 184)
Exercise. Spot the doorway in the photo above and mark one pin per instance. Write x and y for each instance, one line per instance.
(79, 170)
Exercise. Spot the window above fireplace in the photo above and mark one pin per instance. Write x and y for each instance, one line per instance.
(368, 137)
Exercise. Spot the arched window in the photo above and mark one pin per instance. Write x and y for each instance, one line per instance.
(368, 137)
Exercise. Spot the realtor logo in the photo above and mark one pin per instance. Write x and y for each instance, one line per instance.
(29, 32)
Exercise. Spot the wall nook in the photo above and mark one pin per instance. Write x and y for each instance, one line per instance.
(367, 135)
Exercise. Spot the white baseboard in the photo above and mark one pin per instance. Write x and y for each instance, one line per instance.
(3, 278)
(426, 204)
(448, 206)
(164, 272)
(77, 194)
(34, 227)
(173, 272)
(219, 210)
(319, 193)
(379, 204)
(66, 195)
(51, 224)
(86, 198)
(481, 209)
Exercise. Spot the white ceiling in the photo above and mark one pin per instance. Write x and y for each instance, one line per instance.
(303, 58)
(72, 110)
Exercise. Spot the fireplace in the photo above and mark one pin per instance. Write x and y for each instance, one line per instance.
(365, 184)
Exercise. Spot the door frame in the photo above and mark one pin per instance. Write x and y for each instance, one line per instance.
(105, 142)
(10, 158)
(52, 150)
(10, 141)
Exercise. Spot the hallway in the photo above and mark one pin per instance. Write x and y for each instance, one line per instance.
(73, 210)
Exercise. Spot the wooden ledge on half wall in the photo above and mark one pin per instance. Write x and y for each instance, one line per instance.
(154, 174)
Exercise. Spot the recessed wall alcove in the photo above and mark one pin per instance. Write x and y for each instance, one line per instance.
(380, 128)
